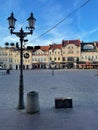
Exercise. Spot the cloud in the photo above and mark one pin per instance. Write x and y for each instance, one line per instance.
(8, 39)
(47, 17)
(78, 13)
(87, 33)
(55, 15)
(51, 15)
(54, 36)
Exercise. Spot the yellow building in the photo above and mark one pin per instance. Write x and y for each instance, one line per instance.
(55, 55)
(27, 59)
(40, 57)
(5, 57)
(71, 50)
(68, 54)
(10, 58)
(58, 56)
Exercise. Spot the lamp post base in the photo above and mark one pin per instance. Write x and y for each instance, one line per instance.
(21, 103)
(21, 106)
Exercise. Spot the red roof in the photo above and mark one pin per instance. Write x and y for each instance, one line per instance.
(96, 44)
(44, 48)
(76, 42)
(55, 46)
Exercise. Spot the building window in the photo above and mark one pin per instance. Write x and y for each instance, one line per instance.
(58, 58)
(96, 57)
(55, 58)
(85, 57)
(59, 52)
(50, 59)
(63, 58)
(70, 52)
(70, 59)
(82, 57)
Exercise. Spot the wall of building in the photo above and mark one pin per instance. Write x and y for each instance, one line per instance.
(61, 55)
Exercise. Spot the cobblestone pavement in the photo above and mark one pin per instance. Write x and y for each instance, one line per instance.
(81, 85)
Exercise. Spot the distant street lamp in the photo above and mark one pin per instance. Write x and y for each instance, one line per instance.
(53, 66)
(21, 34)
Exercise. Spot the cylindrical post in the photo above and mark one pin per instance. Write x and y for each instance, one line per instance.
(21, 85)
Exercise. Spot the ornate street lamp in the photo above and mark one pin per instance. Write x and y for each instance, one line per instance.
(21, 34)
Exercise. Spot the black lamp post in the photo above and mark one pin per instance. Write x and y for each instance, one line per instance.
(21, 34)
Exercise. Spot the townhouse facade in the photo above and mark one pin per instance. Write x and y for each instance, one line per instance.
(55, 55)
(67, 54)
(27, 61)
(89, 55)
(40, 57)
(71, 50)
(5, 57)
(10, 58)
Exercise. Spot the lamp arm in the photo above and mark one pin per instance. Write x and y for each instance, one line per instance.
(21, 33)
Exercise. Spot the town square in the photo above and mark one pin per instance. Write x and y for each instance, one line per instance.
(49, 65)
(80, 85)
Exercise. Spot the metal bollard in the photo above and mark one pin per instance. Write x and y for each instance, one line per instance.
(32, 105)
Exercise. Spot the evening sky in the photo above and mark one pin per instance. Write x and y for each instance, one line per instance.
(80, 24)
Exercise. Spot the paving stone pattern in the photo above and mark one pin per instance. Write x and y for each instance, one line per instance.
(80, 85)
